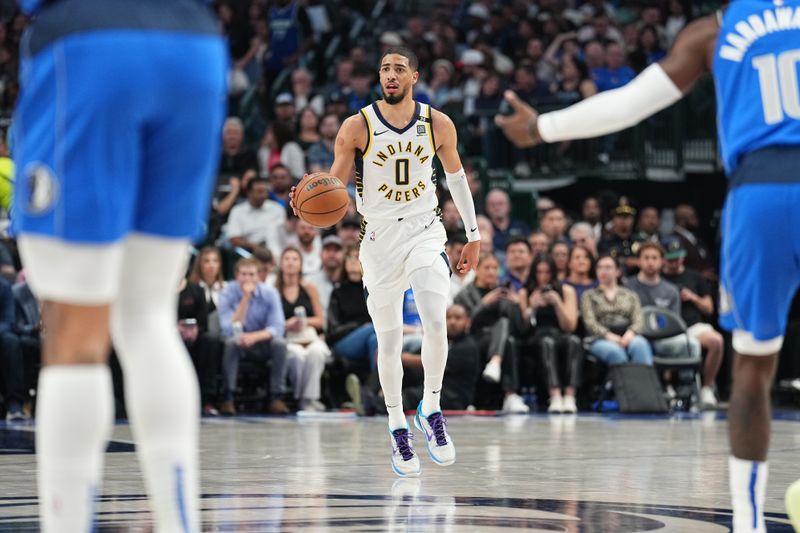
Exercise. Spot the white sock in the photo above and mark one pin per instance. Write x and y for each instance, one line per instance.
(390, 373)
(74, 419)
(161, 390)
(748, 482)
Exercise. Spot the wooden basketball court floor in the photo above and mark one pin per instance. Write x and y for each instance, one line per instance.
(585, 473)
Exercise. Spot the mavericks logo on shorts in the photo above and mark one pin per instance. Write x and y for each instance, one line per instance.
(42, 188)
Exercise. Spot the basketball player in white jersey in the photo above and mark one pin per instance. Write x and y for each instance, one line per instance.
(392, 143)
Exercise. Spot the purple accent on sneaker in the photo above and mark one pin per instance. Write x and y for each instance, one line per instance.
(402, 438)
(437, 421)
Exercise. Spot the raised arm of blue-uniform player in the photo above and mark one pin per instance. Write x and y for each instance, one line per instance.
(657, 87)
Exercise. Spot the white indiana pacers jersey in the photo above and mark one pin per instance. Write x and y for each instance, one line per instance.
(394, 173)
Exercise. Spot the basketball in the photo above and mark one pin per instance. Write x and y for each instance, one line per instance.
(321, 199)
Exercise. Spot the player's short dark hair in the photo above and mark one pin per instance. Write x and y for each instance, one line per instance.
(413, 61)
(650, 246)
(518, 239)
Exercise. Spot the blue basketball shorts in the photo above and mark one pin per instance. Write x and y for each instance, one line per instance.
(760, 263)
(118, 131)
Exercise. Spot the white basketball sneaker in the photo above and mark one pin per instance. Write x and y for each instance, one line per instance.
(440, 445)
(405, 461)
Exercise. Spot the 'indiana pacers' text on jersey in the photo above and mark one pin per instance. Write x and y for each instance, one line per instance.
(756, 71)
(394, 173)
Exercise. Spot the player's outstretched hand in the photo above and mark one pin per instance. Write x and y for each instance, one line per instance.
(517, 126)
(469, 256)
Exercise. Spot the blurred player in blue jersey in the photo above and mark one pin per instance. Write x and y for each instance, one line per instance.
(753, 50)
(118, 125)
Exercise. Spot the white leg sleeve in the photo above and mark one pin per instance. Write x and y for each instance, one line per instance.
(74, 418)
(432, 310)
(161, 388)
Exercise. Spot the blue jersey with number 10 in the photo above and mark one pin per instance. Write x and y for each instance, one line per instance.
(756, 68)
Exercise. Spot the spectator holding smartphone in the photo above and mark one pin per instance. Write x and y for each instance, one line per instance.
(495, 315)
(552, 311)
(193, 328)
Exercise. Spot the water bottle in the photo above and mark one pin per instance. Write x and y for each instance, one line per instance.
(238, 329)
(300, 313)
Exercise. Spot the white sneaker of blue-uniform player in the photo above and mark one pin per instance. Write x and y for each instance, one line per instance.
(405, 461)
(440, 445)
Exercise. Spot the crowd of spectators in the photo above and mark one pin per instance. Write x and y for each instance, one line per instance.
(273, 298)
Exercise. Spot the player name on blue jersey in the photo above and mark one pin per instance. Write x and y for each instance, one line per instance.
(757, 25)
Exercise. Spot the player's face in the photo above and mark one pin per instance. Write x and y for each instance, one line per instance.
(650, 262)
(397, 78)
(291, 262)
(457, 321)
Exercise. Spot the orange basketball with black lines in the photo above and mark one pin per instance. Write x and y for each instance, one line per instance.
(321, 199)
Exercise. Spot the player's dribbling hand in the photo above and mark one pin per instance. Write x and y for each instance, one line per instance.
(469, 256)
(291, 198)
(517, 125)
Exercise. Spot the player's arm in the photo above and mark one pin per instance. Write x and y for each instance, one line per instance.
(352, 136)
(657, 87)
(444, 131)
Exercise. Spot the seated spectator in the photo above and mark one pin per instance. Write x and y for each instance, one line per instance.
(518, 263)
(280, 183)
(648, 49)
(279, 147)
(257, 222)
(613, 317)
(285, 109)
(698, 256)
(652, 290)
(619, 243)
(266, 265)
(540, 243)
(350, 331)
(552, 310)
(615, 73)
(320, 154)
(458, 280)
(559, 251)
(451, 218)
(28, 328)
(581, 234)
(463, 365)
(327, 278)
(193, 328)
(236, 157)
(308, 242)
(553, 223)
(252, 323)
(11, 358)
(498, 208)
(307, 352)
(207, 273)
(592, 214)
(303, 91)
(494, 312)
(580, 271)
(307, 129)
(649, 222)
(349, 231)
(697, 307)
